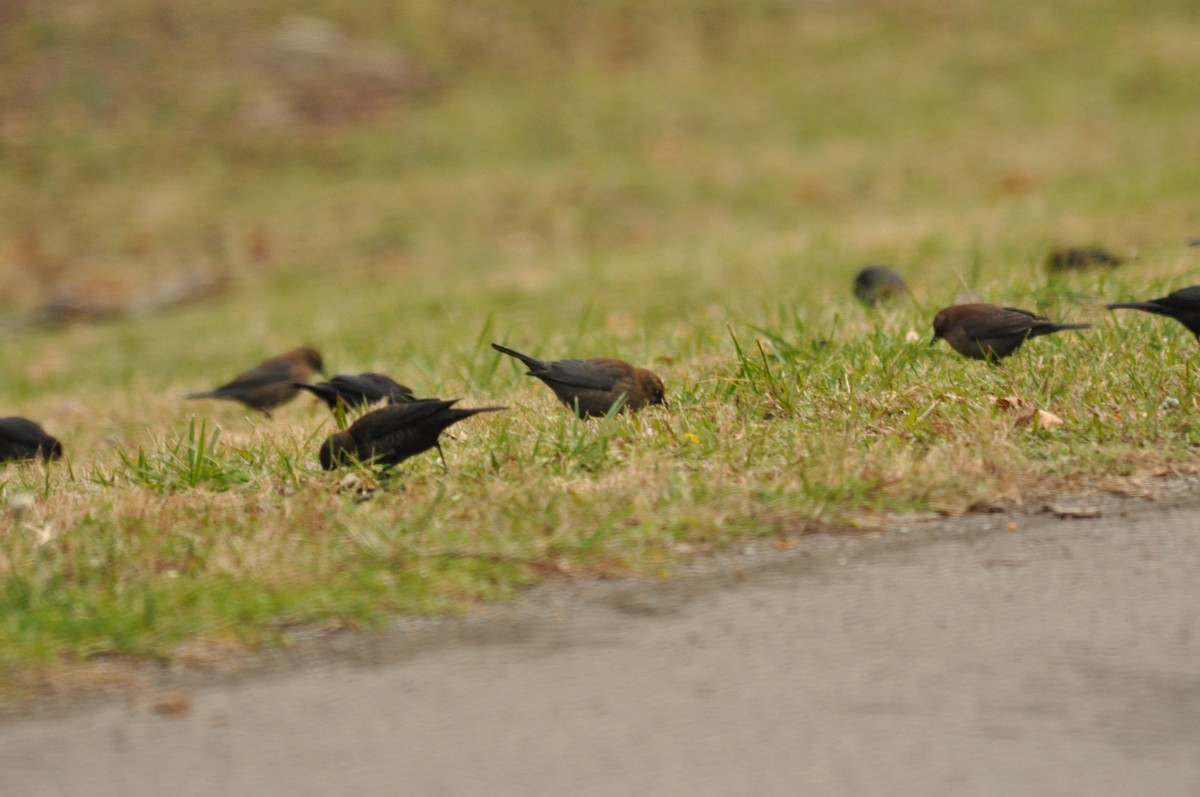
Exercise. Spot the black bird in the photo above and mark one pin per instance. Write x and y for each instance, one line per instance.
(877, 283)
(21, 438)
(990, 332)
(1183, 305)
(270, 383)
(358, 390)
(1067, 258)
(592, 387)
(392, 434)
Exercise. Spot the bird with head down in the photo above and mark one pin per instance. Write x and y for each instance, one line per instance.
(389, 435)
(21, 438)
(593, 387)
(990, 332)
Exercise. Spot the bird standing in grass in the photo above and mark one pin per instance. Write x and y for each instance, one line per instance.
(877, 283)
(21, 438)
(990, 332)
(392, 434)
(359, 390)
(272, 382)
(593, 387)
(1068, 258)
(1183, 305)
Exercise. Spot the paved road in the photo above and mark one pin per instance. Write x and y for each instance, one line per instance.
(1062, 658)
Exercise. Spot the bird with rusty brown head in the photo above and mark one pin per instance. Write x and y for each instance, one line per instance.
(1183, 305)
(1073, 258)
(990, 332)
(356, 391)
(392, 434)
(21, 438)
(593, 387)
(875, 283)
(271, 383)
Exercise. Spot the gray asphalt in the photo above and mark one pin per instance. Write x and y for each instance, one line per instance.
(999, 656)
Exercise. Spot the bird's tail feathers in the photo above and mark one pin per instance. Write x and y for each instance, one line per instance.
(531, 362)
(1149, 307)
(460, 413)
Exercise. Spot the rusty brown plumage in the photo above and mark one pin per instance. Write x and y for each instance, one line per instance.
(271, 383)
(593, 387)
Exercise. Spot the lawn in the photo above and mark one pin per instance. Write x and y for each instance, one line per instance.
(690, 186)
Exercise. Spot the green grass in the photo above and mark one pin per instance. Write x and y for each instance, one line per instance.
(687, 185)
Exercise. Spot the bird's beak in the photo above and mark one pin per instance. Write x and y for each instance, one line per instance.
(936, 338)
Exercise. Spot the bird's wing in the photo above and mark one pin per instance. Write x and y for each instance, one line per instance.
(360, 386)
(1012, 321)
(379, 386)
(1182, 299)
(590, 374)
(265, 374)
(394, 417)
(22, 431)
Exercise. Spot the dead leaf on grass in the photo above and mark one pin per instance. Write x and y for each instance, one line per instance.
(1026, 413)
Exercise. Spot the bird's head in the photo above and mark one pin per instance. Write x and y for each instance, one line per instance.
(336, 450)
(652, 387)
(941, 322)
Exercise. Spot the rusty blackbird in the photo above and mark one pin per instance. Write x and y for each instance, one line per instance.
(1069, 258)
(990, 332)
(394, 433)
(876, 283)
(592, 387)
(271, 383)
(21, 438)
(358, 390)
(1183, 305)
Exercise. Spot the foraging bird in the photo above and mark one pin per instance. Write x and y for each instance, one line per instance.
(358, 390)
(392, 434)
(990, 332)
(1066, 258)
(21, 438)
(271, 383)
(1183, 305)
(593, 387)
(878, 283)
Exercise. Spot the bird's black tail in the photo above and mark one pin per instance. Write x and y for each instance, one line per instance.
(320, 391)
(1149, 307)
(324, 392)
(533, 363)
(458, 414)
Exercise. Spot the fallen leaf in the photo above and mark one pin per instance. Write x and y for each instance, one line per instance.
(172, 705)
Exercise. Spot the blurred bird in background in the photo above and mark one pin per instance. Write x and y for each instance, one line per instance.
(272, 382)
